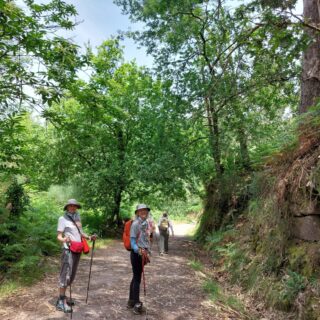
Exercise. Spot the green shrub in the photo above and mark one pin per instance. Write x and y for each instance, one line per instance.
(29, 237)
(293, 284)
(93, 221)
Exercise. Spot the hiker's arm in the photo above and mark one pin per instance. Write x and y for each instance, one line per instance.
(134, 245)
(61, 238)
(171, 228)
(91, 238)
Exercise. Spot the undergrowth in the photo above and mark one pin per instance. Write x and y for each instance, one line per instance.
(195, 265)
(257, 247)
(217, 293)
(28, 234)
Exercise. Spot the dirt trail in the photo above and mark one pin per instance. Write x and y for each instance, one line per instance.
(173, 290)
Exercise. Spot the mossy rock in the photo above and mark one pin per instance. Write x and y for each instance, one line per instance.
(304, 258)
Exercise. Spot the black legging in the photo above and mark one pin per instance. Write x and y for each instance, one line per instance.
(136, 262)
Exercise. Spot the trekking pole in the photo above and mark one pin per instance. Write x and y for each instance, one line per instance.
(94, 241)
(144, 284)
(71, 303)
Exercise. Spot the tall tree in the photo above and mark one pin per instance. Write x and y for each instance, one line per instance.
(112, 134)
(218, 58)
(310, 81)
(209, 51)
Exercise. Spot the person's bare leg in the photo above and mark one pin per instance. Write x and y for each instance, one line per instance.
(62, 292)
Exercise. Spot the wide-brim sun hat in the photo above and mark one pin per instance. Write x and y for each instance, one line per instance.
(141, 206)
(72, 202)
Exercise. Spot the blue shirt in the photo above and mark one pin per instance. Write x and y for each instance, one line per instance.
(139, 236)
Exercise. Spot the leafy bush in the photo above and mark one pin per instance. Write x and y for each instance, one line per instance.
(93, 221)
(16, 198)
(293, 284)
(29, 237)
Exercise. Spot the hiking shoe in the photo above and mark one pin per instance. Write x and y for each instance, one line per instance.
(139, 308)
(61, 306)
(70, 302)
(161, 253)
(130, 304)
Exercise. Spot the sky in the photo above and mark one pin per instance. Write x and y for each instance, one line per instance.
(100, 20)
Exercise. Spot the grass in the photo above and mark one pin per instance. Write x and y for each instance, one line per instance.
(9, 287)
(195, 265)
(101, 243)
(213, 289)
(217, 293)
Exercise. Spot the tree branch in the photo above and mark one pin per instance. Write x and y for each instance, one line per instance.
(305, 24)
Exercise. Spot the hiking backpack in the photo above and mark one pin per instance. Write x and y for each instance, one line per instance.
(164, 224)
(126, 235)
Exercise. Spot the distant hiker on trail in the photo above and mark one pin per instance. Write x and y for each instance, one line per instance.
(152, 226)
(139, 256)
(164, 224)
(70, 234)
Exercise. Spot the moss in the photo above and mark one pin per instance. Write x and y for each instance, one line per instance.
(226, 198)
(304, 258)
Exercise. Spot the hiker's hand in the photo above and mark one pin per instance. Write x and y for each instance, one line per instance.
(66, 239)
(93, 237)
(142, 251)
(145, 256)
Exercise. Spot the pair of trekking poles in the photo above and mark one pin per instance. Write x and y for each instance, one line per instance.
(91, 260)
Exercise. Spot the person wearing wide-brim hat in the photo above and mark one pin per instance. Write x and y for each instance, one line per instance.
(69, 230)
(140, 248)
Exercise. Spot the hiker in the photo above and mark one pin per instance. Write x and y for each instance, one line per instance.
(140, 246)
(152, 227)
(69, 229)
(164, 225)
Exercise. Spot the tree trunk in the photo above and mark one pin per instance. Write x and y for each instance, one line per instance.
(121, 180)
(244, 153)
(310, 82)
(214, 135)
(117, 205)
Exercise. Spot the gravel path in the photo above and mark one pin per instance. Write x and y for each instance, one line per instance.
(173, 289)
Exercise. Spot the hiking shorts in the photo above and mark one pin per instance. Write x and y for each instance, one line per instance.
(69, 266)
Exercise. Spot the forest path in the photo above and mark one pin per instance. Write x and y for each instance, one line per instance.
(174, 290)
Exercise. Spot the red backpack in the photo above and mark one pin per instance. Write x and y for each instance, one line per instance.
(126, 235)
